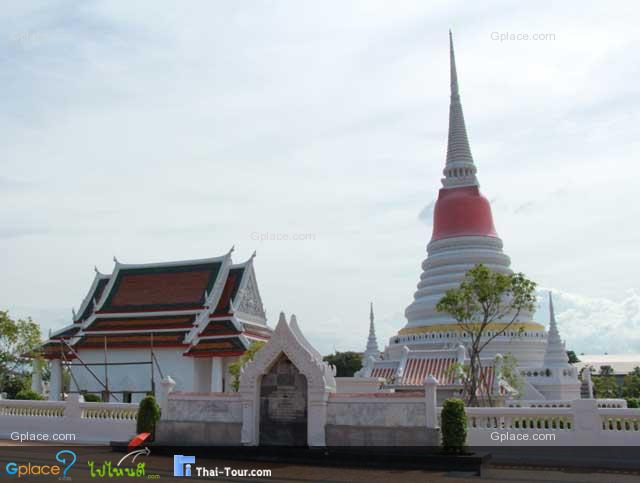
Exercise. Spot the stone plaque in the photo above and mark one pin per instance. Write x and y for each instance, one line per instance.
(283, 405)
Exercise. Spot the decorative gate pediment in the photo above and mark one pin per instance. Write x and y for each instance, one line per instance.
(287, 339)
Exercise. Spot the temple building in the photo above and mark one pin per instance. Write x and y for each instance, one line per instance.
(464, 235)
(190, 319)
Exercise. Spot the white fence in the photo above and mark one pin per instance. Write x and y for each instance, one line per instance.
(581, 424)
(68, 421)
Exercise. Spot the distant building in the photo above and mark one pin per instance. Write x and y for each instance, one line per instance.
(621, 364)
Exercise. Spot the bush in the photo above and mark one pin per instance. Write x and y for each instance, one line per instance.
(454, 426)
(89, 397)
(11, 385)
(148, 415)
(633, 402)
(28, 395)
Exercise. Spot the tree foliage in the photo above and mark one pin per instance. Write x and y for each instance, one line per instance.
(346, 363)
(606, 371)
(483, 299)
(573, 358)
(605, 387)
(236, 367)
(631, 384)
(17, 339)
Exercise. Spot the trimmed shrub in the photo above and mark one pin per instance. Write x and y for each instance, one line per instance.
(148, 415)
(28, 395)
(454, 426)
(89, 397)
(633, 402)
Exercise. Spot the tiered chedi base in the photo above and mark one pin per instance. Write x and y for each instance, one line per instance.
(447, 262)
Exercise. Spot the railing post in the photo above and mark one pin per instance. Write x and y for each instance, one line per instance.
(430, 401)
(587, 424)
(55, 383)
(36, 376)
(166, 386)
(72, 410)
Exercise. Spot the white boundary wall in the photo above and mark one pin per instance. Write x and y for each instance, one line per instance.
(581, 424)
(88, 422)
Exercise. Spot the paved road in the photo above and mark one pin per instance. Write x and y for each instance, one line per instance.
(160, 467)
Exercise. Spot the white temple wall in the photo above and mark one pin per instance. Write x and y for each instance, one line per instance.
(367, 411)
(134, 377)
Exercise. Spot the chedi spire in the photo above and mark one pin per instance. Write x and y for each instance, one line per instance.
(555, 353)
(459, 169)
(372, 343)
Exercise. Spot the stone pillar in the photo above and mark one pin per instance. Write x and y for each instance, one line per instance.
(217, 374)
(55, 383)
(166, 386)
(587, 423)
(586, 375)
(72, 409)
(317, 419)
(431, 401)
(201, 374)
(36, 376)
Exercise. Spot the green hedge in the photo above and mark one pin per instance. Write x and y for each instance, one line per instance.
(148, 415)
(28, 394)
(89, 397)
(454, 426)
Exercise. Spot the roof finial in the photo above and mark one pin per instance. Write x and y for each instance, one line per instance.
(459, 169)
(253, 255)
(115, 259)
(95, 269)
(73, 312)
(233, 247)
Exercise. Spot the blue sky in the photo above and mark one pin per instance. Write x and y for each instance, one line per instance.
(151, 131)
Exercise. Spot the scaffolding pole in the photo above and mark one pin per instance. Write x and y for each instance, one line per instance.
(87, 367)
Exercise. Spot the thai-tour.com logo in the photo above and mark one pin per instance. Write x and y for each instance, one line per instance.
(66, 457)
(184, 466)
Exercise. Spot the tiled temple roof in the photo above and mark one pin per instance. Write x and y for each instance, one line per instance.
(174, 287)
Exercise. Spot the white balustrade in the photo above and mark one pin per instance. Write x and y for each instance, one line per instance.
(48, 409)
(113, 411)
(620, 419)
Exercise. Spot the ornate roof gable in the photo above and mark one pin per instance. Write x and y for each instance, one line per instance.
(319, 374)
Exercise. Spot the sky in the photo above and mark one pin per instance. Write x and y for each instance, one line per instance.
(315, 134)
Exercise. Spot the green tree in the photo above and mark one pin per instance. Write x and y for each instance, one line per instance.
(486, 305)
(18, 338)
(511, 374)
(236, 367)
(346, 363)
(606, 371)
(605, 385)
(631, 384)
(573, 358)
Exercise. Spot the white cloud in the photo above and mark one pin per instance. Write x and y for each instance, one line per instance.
(595, 325)
(155, 132)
